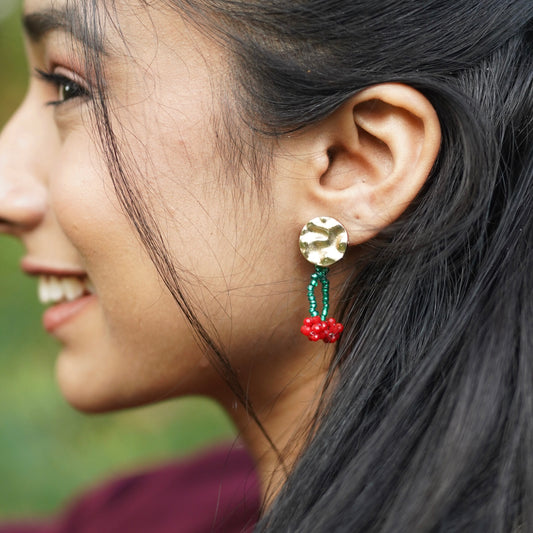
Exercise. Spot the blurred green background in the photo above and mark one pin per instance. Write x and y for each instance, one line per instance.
(49, 452)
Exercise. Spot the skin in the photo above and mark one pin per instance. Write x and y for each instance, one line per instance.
(238, 262)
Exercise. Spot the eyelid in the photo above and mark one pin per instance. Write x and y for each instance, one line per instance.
(57, 78)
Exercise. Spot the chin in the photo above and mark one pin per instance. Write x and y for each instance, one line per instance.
(92, 400)
(93, 389)
(88, 390)
(86, 399)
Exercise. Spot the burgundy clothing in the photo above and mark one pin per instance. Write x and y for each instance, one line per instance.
(217, 492)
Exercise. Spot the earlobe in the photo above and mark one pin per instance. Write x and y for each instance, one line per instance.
(381, 146)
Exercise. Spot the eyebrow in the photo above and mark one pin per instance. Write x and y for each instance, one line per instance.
(39, 23)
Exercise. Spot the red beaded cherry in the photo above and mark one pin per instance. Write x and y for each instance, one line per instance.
(316, 329)
(305, 330)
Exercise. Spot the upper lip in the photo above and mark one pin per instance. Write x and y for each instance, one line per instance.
(43, 267)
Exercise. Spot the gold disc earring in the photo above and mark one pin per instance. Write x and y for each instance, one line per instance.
(323, 242)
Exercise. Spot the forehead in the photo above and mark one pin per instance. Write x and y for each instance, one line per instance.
(40, 5)
(134, 22)
(90, 23)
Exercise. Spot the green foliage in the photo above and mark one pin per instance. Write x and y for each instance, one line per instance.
(12, 65)
(48, 452)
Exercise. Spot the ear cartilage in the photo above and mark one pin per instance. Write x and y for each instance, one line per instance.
(323, 242)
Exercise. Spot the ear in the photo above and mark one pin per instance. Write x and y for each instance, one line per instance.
(367, 161)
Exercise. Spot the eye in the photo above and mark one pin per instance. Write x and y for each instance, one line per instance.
(67, 88)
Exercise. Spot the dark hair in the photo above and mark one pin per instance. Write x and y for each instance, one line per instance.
(427, 422)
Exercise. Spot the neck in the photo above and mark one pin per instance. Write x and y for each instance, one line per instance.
(285, 409)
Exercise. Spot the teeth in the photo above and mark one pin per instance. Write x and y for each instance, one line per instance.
(53, 289)
(43, 290)
(72, 288)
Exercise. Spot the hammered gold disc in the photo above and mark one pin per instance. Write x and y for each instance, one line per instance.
(323, 241)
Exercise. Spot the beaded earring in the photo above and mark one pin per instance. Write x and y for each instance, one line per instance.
(323, 242)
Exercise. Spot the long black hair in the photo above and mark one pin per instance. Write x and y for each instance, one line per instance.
(427, 422)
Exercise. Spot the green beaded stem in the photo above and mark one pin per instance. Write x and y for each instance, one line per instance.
(320, 274)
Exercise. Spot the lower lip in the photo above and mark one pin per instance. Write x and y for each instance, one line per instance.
(60, 314)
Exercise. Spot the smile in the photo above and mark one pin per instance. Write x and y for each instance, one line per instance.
(68, 295)
(55, 289)
(67, 290)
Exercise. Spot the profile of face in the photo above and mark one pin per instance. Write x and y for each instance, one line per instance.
(124, 340)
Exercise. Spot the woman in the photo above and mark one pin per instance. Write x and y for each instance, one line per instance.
(170, 152)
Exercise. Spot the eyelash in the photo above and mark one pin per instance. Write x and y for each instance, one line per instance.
(58, 81)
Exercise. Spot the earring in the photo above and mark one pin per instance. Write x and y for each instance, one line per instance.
(323, 242)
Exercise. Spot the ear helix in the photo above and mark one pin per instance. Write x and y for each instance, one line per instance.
(323, 242)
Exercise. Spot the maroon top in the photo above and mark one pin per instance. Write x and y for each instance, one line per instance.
(215, 492)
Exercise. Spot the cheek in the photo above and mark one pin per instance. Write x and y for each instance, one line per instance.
(84, 202)
(136, 344)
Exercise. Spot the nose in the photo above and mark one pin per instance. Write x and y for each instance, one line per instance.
(23, 195)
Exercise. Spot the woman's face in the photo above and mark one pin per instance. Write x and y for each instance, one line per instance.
(123, 339)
